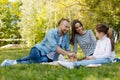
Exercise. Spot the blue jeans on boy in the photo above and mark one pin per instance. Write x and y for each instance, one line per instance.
(34, 57)
(95, 61)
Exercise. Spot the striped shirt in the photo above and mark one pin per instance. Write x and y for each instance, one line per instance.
(87, 42)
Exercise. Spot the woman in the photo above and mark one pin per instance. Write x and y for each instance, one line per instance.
(85, 38)
(104, 51)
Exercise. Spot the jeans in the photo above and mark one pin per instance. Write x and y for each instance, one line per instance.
(95, 61)
(34, 57)
(117, 59)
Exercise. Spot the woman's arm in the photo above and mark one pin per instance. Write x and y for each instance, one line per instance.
(75, 45)
(93, 38)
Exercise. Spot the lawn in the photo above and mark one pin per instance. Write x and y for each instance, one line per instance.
(48, 72)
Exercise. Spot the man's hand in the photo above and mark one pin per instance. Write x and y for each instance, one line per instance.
(70, 54)
(72, 57)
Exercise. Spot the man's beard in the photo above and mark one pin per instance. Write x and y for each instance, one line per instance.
(64, 32)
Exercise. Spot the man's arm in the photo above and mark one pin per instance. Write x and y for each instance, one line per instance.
(68, 53)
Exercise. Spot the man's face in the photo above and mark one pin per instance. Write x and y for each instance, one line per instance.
(64, 27)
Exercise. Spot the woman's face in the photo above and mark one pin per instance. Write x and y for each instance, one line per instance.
(79, 28)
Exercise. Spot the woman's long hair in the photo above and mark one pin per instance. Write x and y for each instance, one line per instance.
(73, 30)
(108, 31)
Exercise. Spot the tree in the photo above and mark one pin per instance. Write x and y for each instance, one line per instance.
(32, 24)
(38, 16)
(9, 17)
(103, 11)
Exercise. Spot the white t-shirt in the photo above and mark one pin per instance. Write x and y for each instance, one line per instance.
(60, 41)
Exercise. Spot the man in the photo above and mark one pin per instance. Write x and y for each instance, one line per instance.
(55, 42)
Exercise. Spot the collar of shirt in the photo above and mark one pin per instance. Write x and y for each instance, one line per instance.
(58, 33)
(105, 36)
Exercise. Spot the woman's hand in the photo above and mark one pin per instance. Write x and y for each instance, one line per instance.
(90, 57)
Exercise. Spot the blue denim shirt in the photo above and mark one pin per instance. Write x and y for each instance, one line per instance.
(51, 42)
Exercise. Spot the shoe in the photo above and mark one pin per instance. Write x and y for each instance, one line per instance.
(61, 58)
(55, 63)
(116, 60)
(8, 62)
(66, 64)
(93, 65)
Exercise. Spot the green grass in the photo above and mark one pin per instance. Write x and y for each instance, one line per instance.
(47, 72)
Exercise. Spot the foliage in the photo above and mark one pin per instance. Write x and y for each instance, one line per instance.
(45, 14)
(103, 11)
(32, 25)
(36, 17)
(9, 16)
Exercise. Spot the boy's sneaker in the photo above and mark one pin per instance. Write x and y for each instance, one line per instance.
(8, 62)
(66, 64)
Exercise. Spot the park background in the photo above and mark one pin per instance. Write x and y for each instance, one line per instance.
(24, 23)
